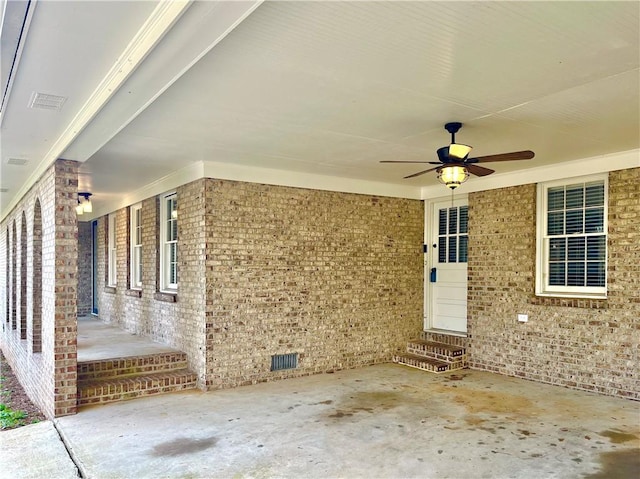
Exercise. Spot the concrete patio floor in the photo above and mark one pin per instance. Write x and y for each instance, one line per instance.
(385, 421)
(98, 340)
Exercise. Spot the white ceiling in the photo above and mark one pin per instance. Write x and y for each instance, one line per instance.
(322, 88)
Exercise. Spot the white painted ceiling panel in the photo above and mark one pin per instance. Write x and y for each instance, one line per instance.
(70, 47)
(333, 88)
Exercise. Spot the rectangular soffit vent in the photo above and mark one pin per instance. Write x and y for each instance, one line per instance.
(46, 102)
(17, 161)
(284, 361)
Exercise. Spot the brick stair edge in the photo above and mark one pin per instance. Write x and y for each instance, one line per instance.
(119, 389)
(113, 368)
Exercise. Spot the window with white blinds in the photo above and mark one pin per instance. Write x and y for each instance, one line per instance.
(111, 251)
(572, 238)
(169, 242)
(135, 259)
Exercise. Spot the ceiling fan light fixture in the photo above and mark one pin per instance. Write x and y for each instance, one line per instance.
(453, 176)
(459, 151)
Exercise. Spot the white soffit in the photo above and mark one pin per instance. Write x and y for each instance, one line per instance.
(328, 89)
(333, 88)
(86, 105)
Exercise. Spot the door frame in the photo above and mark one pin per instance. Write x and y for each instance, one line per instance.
(428, 255)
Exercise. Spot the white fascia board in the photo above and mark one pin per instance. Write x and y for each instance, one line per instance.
(588, 166)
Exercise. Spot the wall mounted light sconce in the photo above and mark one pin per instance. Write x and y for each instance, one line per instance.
(84, 203)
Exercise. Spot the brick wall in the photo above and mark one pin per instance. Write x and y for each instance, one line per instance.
(583, 344)
(267, 270)
(177, 321)
(84, 268)
(334, 277)
(44, 361)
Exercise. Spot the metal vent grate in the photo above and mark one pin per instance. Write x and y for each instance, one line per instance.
(284, 361)
(17, 161)
(46, 102)
(4, 190)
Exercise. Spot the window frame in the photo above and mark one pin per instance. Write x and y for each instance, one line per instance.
(135, 250)
(112, 267)
(542, 242)
(166, 283)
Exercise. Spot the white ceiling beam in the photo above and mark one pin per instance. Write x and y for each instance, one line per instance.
(157, 25)
(203, 27)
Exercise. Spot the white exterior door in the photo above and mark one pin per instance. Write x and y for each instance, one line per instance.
(446, 266)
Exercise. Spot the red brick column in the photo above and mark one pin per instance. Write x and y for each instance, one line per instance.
(66, 287)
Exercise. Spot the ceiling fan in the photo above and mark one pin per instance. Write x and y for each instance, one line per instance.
(455, 165)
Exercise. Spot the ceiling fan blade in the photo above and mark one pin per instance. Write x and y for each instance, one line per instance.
(421, 172)
(515, 155)
(403, 161)
(478, 170)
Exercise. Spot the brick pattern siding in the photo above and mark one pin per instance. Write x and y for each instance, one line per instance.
(582, 344)
(84, 268)
(267, 270)
(48, 210)
(334, 277)
(179, 321)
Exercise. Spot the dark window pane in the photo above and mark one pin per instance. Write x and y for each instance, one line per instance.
(555, 198)
(575, 195)
(555, 223)
(452, 249)
(594, 194)
(453, 221)
(556, 274)
(576, 248)
(557, 249)
(594, 220)
(575, 273)
(574, 220)
(442, 222)
(595, 274)
(596, 247)
(464, 219)
(462, 250)
(442, 249)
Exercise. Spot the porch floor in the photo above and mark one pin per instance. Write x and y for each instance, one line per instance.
(98, 340)
(383, 421)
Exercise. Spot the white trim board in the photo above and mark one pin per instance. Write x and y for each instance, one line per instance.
(229, 171)
(588, 166)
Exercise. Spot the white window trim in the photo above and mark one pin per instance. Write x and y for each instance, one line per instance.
(165, 284)
(542, 266)
(135, 252)
(112, 272)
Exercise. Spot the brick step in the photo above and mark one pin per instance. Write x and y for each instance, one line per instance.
(436, 350)
(131, 366)
(101, 391)
(424, 363)
(438, 337)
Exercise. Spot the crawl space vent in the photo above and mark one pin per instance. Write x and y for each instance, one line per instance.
(284, 361)
(46, 102)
